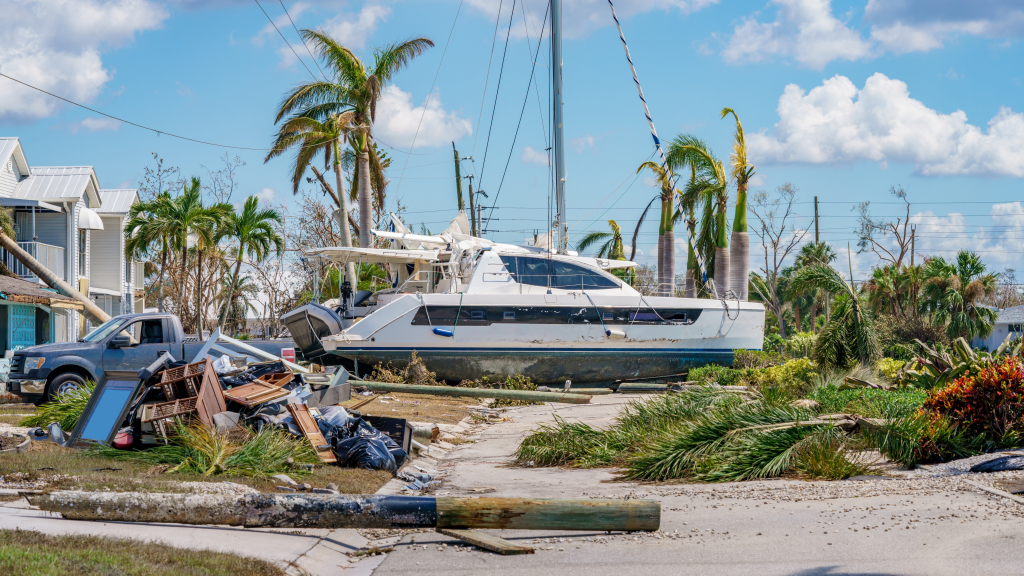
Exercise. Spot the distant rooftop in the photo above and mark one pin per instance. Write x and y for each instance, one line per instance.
(1012, 315)
(117, 201)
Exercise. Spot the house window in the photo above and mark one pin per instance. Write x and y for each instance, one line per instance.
(81, 252)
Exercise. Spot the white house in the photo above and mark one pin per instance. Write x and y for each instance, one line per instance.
(1009, 321)
(61, 219)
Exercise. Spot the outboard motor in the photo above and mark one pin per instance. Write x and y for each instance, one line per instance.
(308, 324)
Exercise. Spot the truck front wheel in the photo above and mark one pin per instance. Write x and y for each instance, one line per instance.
(62, 384)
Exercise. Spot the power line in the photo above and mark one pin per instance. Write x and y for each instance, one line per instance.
(429, 94)
(501, 72)
(285, 39)
(313, 58)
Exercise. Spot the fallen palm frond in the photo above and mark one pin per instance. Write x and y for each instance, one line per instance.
(65, 412)
(202, 450)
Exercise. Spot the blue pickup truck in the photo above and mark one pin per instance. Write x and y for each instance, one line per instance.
(128, 342)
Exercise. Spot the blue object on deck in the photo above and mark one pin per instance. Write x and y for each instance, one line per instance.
(445, 333)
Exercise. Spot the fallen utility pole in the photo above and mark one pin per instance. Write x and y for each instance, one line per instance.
(94, 312)
(528, 395)
(355, 511)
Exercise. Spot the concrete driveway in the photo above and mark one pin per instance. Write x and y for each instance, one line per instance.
(925, 526)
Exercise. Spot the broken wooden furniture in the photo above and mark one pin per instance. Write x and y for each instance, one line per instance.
(356, 511)
(304, 420)
(192, 388)
(263, 389)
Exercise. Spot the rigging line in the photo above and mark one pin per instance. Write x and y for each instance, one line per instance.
(536, 89)
(616, 200)
(605, 199)
(429, 94)
(526, 98)
(285, 39)
(154, 130)
(501, 72)
(487, 78)
(377, 140)
(313, 58)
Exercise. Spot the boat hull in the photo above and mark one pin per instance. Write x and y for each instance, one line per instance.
(543, 366)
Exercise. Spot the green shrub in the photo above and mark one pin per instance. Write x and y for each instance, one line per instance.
(515, 382)
(715, 374)
(801, 344)
(888, 368)
(869, 402)
(824, 456)
(757, 359)
(794, 378)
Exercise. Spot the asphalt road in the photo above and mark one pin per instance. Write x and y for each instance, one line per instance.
(780, 527)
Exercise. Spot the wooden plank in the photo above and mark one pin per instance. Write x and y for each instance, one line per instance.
(253, 393)
(486, 541)
(211, 397)
(996, 491)
(304, 420)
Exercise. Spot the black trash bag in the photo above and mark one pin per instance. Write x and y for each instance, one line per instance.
(1000, 464)
(357, 444)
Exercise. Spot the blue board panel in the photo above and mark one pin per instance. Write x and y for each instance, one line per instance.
(22, 326)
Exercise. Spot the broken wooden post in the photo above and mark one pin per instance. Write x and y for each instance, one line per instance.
(528, 395)
(355, 511)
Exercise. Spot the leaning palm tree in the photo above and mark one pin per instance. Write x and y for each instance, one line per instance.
(811, 254)
(710, 185)
(188, 218)
(953, 292)
(739, 250)
(666, 231)
(611, 249)
(850, 334)
(145, 233)
(351, 88)
(253, 229)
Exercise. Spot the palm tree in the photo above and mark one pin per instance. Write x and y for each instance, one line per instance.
(710, 185)
(687, 209)
(147, 232)
(253, 229)
(352, 88)
(850, 334)
(953, 292)
(611, 249)
(811, 254)
(187, 217)
(666, 232)
(742, 172)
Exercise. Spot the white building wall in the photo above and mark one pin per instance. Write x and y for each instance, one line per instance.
(107, 256)
(9, 177)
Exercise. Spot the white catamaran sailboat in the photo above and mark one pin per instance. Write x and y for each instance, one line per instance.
(470, 307)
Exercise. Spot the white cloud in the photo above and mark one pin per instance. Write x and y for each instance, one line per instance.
(581, 17)
(836, 122)
(352, 31)
(56, 45)
(582, 143)
(95, 125)
(921, 25)
(397, 120)
(532, 156)
(804, 29)
(266, 196)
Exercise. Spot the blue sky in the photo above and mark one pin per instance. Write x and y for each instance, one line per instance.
(842, 99)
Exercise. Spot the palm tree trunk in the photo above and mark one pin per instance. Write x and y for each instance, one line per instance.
(160, 279)
(346, 233)
(670, 262)
(184, 277)
(365, 196)
(722, 256)
(92, 311)
(199, 294)
(796, 316)
(691, 271)
(226, 305)
(739, 251)
(780, 316)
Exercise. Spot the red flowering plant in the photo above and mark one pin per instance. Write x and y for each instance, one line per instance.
(988, 404)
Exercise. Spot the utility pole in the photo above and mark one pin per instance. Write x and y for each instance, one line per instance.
(816, 239)
(913, 235)
(472, 209)
(480, 220)
(458, 178)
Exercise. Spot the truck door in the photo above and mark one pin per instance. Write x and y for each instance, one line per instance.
(147, 340)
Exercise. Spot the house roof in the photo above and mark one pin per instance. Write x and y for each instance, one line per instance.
(25, 292)
(117, 201)
(12, 146)
(60, 183)
(1012, 315)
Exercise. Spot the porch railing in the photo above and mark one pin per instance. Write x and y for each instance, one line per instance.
(52, 257)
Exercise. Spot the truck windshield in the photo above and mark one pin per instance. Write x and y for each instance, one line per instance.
(102, 331)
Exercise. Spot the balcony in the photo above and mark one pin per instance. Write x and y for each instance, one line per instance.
(52, 257)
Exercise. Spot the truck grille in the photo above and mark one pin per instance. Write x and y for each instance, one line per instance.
(17, 363)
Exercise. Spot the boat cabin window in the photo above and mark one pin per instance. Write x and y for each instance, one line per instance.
(536, 271)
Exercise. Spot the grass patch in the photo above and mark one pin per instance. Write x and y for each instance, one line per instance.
(70, 469)
(824, 456)
(11, 419)
(869, 402)
(36, 554)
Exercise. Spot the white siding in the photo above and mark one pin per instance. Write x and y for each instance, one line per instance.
(9, 177)
(51, 227)
(106, 256)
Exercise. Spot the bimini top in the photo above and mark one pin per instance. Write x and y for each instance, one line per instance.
(374, 255)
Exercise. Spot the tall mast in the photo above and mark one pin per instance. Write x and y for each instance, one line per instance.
(562, 232)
